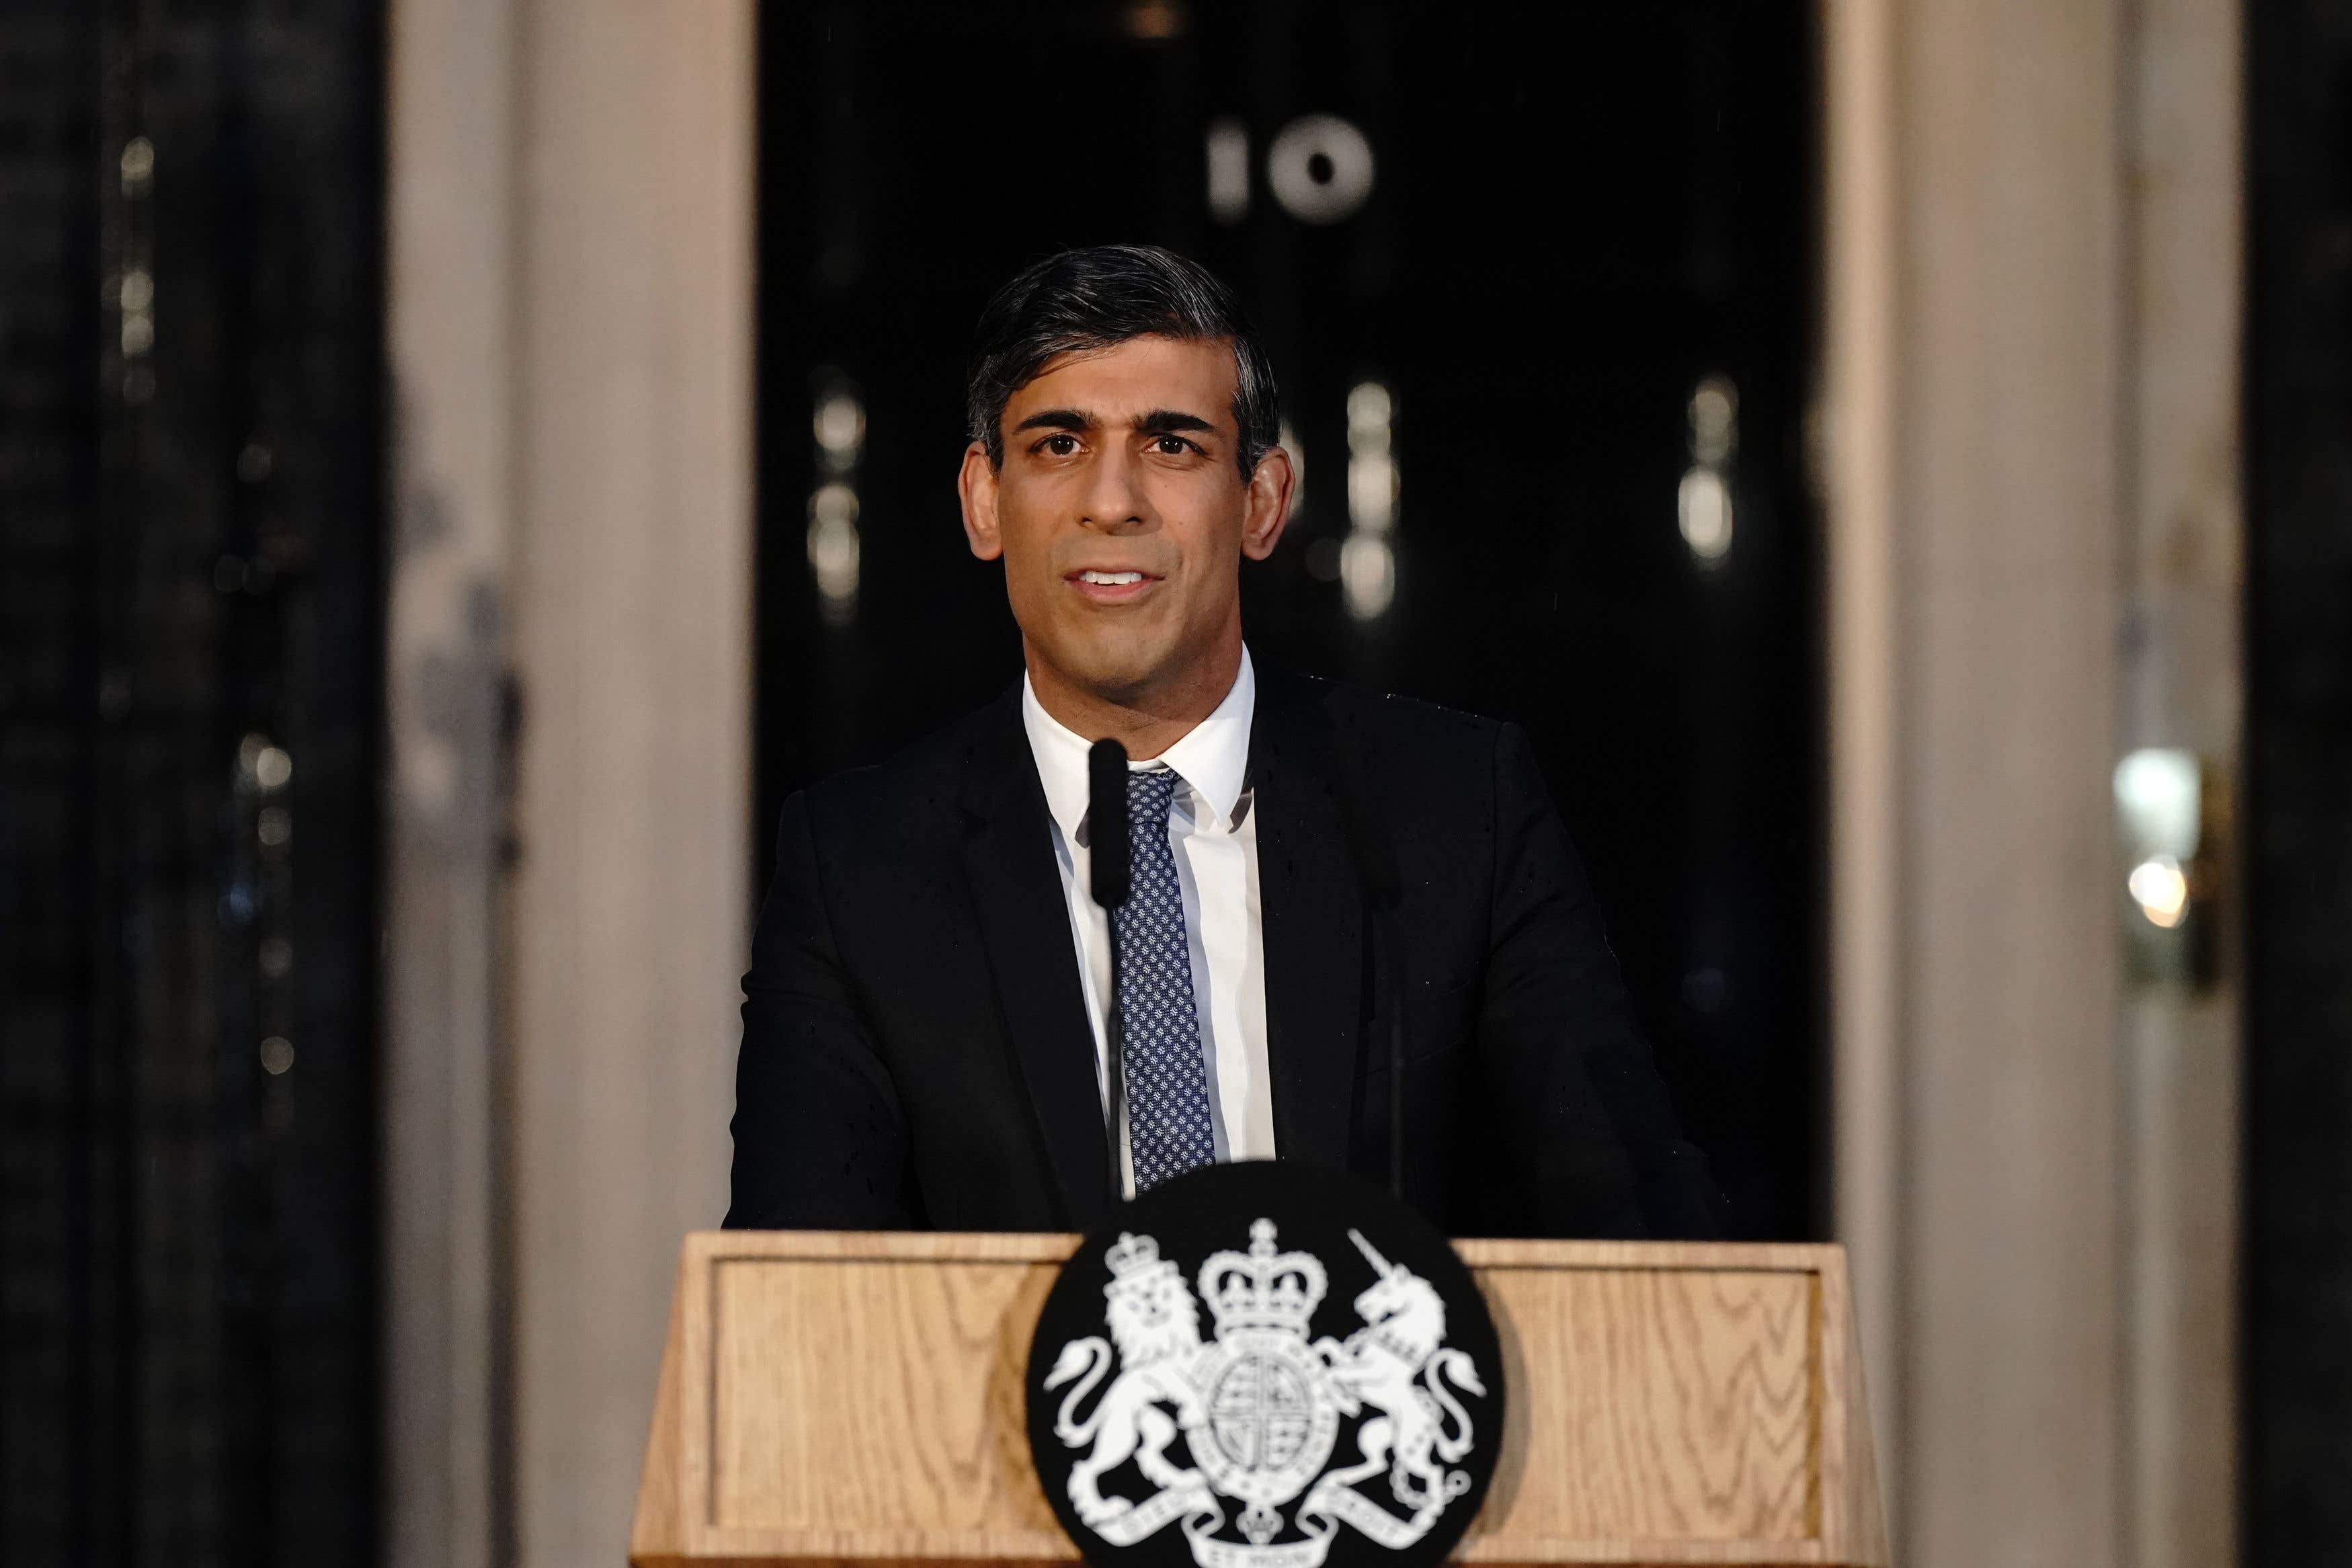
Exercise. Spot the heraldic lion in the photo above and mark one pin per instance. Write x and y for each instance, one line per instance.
(1153, 1318)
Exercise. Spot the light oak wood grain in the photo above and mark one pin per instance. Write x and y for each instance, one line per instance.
(1655, 1404)
(847, 1397)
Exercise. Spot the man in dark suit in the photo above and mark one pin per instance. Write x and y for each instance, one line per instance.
(1325, 879)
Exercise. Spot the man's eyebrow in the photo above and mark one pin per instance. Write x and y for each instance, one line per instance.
(1151, 422)
(1161, 419)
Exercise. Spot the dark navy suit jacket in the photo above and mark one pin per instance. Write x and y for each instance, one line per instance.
(916, 1050)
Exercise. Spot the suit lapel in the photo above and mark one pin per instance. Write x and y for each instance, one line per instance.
(1311, 903)
(1025, 923)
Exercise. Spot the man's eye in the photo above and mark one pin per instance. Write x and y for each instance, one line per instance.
(1173, 446)
(1059, 445)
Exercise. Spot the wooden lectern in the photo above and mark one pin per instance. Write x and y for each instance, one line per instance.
(844, 1397)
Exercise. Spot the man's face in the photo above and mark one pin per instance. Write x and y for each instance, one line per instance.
(1121, 515)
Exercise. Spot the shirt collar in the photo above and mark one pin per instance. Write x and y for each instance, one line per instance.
(1213, 757)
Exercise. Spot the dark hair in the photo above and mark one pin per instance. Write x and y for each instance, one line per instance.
(1103, 295)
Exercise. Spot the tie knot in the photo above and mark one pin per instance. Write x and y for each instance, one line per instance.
(1150, 795)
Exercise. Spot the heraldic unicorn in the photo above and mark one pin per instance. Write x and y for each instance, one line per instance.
(1260, 1408)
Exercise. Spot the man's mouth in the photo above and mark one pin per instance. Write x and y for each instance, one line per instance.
(1111, 587)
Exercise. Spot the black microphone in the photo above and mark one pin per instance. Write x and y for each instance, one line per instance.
(1107, 821)
(1109, 873)
(1376, 869)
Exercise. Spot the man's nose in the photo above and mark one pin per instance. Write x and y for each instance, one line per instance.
(1115, 499)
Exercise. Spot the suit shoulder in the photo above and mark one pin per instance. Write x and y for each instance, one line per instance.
(1386, 721)
(919, 781)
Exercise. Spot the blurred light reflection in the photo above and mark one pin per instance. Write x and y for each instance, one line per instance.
(2161, 889)
(838, 424)
(1367, 575)
(1367, 561)
(1319, 168)
(1703, 500)
(1229, 172)
(2159, 818)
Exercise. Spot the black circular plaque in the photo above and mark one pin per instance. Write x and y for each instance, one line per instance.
(1265, 1365)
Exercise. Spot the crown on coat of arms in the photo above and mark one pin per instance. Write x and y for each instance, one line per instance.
(1135, 1259)
(1264, 1289)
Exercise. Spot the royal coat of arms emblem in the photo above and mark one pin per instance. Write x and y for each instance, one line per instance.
(1263, 1440)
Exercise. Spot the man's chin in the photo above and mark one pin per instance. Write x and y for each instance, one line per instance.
(1127, 685)
(1123, 675)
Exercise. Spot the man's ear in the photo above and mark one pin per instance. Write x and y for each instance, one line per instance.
(1269, 507)
(976, 485)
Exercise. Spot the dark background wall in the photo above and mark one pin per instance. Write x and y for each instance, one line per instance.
(190, 202)
(2298, 1368)
(1574, 221)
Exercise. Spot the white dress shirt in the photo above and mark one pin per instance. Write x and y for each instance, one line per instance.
(1215, 836)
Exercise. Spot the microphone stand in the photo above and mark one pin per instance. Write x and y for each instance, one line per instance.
(1384, 937)
(1109, 874)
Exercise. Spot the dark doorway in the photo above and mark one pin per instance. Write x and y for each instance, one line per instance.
(2297, 1326)
(191, 217)
(1555, 269)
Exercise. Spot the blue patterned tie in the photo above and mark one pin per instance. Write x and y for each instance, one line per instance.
(1167, 1083)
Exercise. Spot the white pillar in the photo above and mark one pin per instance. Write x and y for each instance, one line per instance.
(632, 643)
(2029, 416)
(571, 304)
